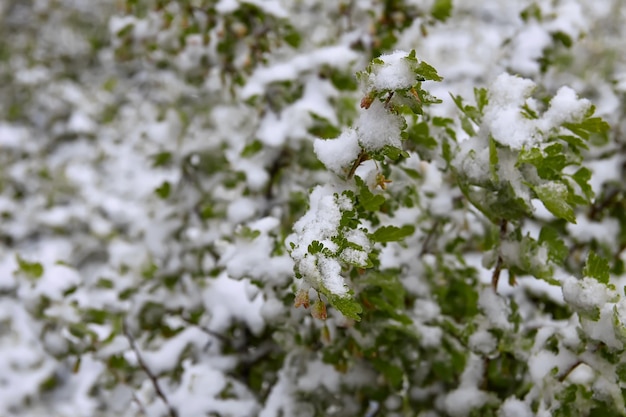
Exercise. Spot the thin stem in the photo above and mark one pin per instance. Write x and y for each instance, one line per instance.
(151, 376)
(386, 105)
(363, 156)
(429, 237)
(206, 330)
(599, 206)
(495, 278)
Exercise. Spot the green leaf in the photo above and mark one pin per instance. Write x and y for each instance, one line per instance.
(564, 38)
(550, 238)
(322, 128)
(597, 267)
(441, 10)
(481, 97)
(315, 247)
(467, 126)
(588, 126)
(344, 81)
(248, 233)
(532, 11)
(554, 196)
(30, 269)
(427, 72)
(392, 233)
(386, 293)
(151, 315)
(164, 190)
(368, 200)
(419, 135)
(252, 148)
(292, 37)
(529, 113)
(393, 374)
(549, 162)
(161, 159)
(574, 142)
(347, 306)
(582, 177)
(394, 153)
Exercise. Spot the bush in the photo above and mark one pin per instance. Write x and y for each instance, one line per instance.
(356, 208)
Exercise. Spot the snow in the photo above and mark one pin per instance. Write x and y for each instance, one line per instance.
(395, 73)
(565, 107)
(205, 384)
(483, 342)
(241, 210)
(461, 401)
(527, 47)
(228, 302)
(336, 56)
(338, 154)
(586, 294)
(502, 118)
(12, 136)
(378, 127)
(495, 308)
(85, 113)
(586, 230)
(320, 223)
(512, 407)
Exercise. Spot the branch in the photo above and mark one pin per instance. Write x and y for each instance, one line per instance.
(496, 272)
(363, 156)
(386, 105)
(155, 382)
(429, 237)
(598, 207)
(206, 330)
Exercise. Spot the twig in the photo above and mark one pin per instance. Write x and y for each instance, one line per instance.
(363, 156)
(155, 382)
(388, 100)
(429, 237)
(570, 370)
(496, 272)
(142, 409)
(597, 208)
(206, 330)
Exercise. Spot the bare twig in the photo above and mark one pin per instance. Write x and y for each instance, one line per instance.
(155, 382)
(363, 156)
(569, 370)
(388, 100)
(142, 409)
(496, 272)
(429, 237)
(599, 206)
(206, 330)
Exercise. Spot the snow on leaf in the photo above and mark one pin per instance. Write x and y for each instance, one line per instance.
(392, 233)
(554, 196)
(597, 267)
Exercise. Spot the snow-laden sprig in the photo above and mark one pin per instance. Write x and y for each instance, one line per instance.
(519, 151)
(393, 86)
(337, 231)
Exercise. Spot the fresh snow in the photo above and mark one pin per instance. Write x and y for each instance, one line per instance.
(395, 73)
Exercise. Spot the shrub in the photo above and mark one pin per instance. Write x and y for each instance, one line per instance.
(364, 208)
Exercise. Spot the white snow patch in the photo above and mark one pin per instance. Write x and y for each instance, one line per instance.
(502, 117)
(377, 127)
(394, 73)
(513, 407)
(338, 154)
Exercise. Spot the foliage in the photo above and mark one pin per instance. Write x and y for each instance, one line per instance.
(309, 208)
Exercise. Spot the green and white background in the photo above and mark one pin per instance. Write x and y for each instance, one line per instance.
(303, 207)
